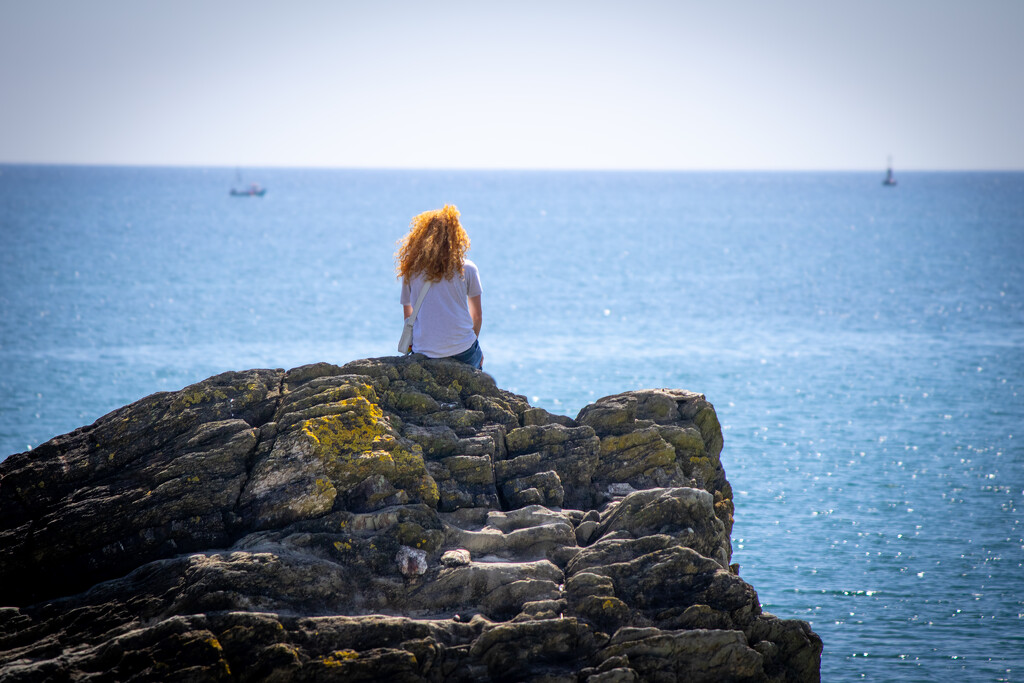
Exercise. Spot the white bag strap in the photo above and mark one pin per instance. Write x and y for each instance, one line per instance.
(405, 343)
(419, 302)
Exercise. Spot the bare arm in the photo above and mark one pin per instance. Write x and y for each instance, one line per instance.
(406, 311)
(476, 312)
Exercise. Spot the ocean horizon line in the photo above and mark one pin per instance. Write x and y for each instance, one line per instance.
(458, 169)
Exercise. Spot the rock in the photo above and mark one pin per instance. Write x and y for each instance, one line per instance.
(411, 561)
(616, 675)
(686, 514)
(455, 558)
(259, 525)
(698, 655)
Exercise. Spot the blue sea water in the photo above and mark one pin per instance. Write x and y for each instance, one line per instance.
(863, 346)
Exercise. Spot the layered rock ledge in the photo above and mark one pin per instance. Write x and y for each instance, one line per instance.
(391, 519)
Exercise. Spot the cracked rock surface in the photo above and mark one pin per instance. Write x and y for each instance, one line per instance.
(390, 519)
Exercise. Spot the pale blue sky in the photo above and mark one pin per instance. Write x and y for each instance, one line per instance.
(641, 84)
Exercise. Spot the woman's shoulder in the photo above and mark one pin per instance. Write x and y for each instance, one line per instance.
(469, 265)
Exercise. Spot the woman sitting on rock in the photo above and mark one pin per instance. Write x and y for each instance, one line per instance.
(448, 323)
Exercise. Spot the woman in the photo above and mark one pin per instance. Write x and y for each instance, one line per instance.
(449, 320)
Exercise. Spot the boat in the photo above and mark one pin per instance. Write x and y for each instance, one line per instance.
(889, 181)
(252, 190)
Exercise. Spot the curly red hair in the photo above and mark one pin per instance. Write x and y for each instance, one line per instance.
(435, 245)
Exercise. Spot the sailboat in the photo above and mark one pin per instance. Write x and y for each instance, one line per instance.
(889, 181)
(252, 190)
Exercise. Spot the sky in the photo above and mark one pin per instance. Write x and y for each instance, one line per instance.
(637, 84)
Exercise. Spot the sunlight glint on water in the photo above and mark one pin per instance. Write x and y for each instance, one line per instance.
(863, 346)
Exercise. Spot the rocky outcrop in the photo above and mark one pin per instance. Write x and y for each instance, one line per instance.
(390, 519)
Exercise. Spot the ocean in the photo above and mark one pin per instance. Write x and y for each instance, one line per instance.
(863, 346)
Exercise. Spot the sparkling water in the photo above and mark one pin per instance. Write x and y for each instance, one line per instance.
(863, 346)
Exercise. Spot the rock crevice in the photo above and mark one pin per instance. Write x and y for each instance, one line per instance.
(392, 518)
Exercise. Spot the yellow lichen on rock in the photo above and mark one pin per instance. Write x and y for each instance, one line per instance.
(194, 396)
(355, 429)
(411, 468)
(325, 489)
(339, 657)
(359, 443)
(702, 468)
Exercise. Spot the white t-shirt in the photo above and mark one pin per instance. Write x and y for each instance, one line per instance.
(443, 327)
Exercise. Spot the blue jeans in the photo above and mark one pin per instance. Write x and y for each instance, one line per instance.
(471, 356)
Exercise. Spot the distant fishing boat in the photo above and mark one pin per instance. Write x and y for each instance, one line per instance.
(253, 189)
(889, 181)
